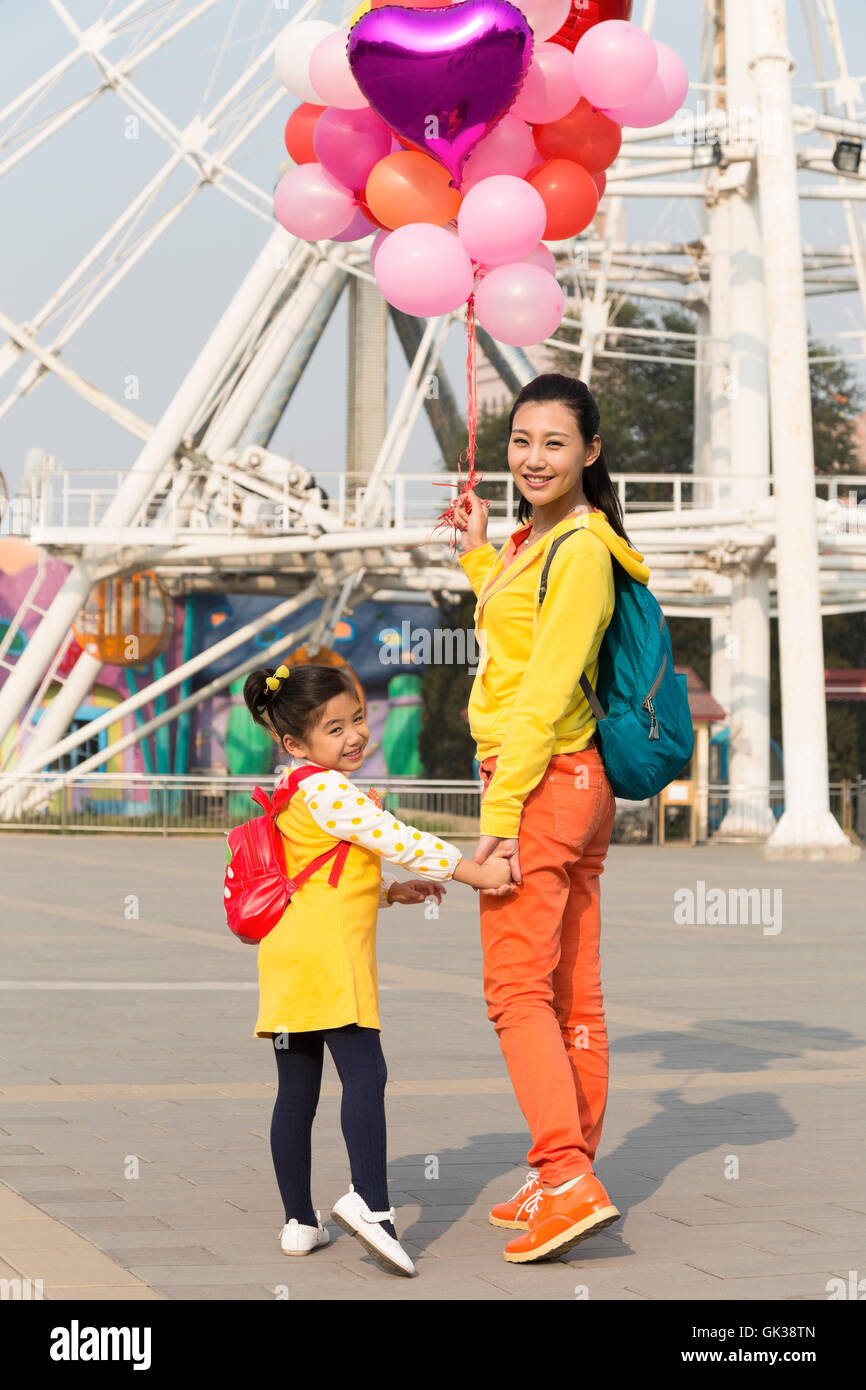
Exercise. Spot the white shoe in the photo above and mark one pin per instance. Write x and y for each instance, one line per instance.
(296, 1239)
(352, 1213)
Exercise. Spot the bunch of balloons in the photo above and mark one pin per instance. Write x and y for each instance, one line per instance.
(465, 136)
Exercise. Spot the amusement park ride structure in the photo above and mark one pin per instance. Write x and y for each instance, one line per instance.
(208, 505)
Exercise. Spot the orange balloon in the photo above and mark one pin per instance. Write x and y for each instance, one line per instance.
(569, 194)
(408, 186)
(586, 135)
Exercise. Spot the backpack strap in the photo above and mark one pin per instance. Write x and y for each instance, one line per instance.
(591, 697)
(337, 852)
(286, 790)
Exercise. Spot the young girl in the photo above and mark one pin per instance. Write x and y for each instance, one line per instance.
(317, 967)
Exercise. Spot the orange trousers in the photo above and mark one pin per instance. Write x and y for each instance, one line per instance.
(542, 969)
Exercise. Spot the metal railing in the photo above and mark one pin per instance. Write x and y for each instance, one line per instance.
(68, 504)
(202, 805)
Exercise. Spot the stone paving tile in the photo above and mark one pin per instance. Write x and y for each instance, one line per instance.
(101, 1293)
(133, 1253)
(71, 1196)
(237, 1293)
(721, 1043)
(748, 1261)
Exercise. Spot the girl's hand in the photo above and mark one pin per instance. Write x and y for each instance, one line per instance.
(414, 890)
(470, 517)
(494, 875)
(497, 847)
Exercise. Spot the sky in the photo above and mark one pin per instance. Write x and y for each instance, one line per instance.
(137, 346)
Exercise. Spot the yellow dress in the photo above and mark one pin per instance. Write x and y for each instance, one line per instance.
(317, 967)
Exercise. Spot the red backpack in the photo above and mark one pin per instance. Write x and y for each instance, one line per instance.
(257, 886)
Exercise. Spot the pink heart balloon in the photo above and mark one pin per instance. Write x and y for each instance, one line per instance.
(442, 78)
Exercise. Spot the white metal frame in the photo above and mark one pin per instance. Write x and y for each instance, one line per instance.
(268, 313)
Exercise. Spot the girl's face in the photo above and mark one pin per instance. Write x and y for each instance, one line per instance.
(547, 453)
(338, 738)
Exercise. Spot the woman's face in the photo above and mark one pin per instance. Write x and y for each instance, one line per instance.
(547, 453)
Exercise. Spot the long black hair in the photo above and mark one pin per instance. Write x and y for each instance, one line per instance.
(292, 708)
(597, 486)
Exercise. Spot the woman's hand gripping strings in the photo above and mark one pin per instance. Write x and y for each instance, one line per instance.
(470, 518)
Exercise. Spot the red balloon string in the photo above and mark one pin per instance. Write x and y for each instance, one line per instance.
(446, 518)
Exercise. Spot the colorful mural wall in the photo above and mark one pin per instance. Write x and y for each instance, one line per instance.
(217, 735)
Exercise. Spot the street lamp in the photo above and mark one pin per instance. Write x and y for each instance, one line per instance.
(846, 156)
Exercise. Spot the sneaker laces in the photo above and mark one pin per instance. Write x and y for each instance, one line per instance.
(533, 1202)
(531, 1180)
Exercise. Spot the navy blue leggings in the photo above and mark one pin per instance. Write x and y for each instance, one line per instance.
(358, 1057)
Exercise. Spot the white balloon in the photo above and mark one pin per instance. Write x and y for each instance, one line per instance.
(292, 56)
(546, 17)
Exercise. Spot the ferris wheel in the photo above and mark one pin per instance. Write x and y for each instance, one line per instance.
(206, 501)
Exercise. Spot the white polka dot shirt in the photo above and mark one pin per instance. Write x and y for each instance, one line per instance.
(345, 811)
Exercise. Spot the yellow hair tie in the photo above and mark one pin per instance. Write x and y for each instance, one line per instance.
(273, 682)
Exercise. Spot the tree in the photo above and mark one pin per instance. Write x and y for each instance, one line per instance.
(837, 399)
(445, 744)
(647, 406)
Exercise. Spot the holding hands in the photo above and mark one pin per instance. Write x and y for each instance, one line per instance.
(492, 867)
(492, 876)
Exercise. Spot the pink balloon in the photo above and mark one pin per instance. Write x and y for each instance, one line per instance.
(508, 149)
(349, 143)
(358, 228)
(546, 17)
(423, 269)
(542, 255)
(663, 97)
(501, 219)
(312, 205)
(331, 75)
(519, 304)
(549, 90)
(374, 249)
(614, 63)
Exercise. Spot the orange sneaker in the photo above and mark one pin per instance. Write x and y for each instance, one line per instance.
(557, 1222)
(514, 1213)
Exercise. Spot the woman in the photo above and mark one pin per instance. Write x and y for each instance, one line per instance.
(546, 802)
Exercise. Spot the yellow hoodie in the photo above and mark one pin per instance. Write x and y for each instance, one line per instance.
(526, 704)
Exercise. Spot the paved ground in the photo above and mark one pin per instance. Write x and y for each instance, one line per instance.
(135, 1104)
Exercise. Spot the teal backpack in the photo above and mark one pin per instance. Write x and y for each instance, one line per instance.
(640, 702)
